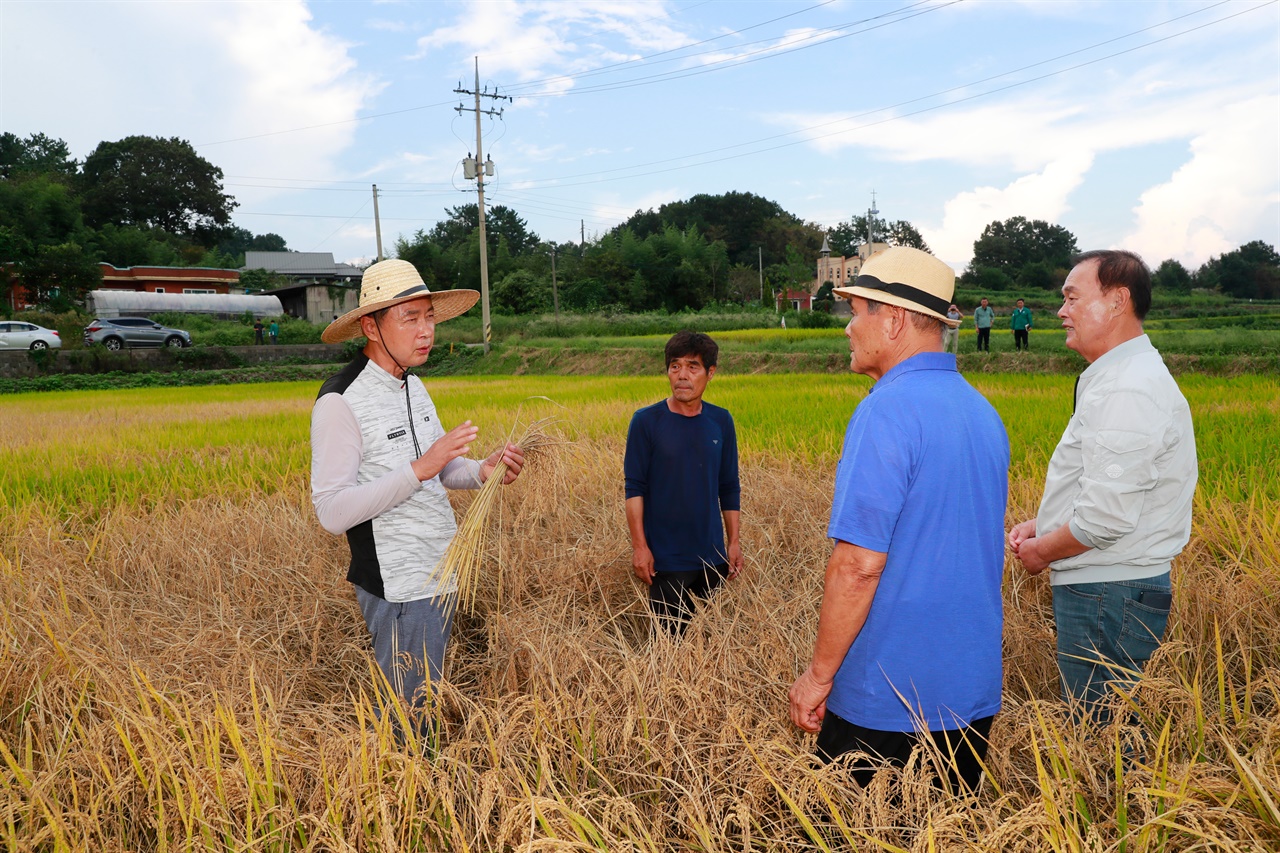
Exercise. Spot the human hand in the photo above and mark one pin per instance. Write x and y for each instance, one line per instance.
(512, 455)
(1029, 554)
(642, 563)
(1021, 533)
(454, 443)
(808, 697)
(735, 560)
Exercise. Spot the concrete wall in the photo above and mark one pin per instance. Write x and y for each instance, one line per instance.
(20, 364)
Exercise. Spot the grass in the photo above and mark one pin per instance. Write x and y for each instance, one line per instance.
(182, 666)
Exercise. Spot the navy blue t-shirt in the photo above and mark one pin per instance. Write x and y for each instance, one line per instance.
(686, 469)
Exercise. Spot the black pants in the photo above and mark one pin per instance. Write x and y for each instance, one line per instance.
(1020, 339)
(673, 596)
(984, 339)
(962, 749)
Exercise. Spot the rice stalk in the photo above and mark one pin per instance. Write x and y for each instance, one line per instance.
(463, 561)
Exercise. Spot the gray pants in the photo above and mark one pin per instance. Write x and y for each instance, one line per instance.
(409, 640)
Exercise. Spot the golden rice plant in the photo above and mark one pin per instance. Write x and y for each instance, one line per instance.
(463, 561)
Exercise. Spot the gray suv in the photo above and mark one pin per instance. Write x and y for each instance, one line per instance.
(120, 332)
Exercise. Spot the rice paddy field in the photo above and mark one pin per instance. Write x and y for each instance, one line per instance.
(183, 667)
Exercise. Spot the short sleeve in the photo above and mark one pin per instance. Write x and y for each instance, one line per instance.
(872, 480)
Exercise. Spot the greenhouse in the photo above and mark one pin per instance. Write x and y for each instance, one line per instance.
(133, 303)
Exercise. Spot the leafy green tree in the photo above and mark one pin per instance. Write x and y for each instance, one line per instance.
(500, 223)
(522, 292)
(148, 181)
(740, 220)
(1010, 245)
(847, 236)
(234, 241)
(1171, 277)
(256, 281)
(825, 298)
(1040, 275)
(986, 278)
(58, 277)
(1250, 272)
(37, 154)
(41, 208)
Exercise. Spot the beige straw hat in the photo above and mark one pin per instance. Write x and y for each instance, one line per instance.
(908, 278)
(388, 283)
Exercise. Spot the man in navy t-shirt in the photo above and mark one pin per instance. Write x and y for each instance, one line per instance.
(681, 469)
(909, 633)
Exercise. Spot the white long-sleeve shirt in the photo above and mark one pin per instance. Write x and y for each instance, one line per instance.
(1124, 473)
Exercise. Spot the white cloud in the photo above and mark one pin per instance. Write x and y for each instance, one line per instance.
(1042, 195)
(205, 72)
(531, 40)
(1227, 194)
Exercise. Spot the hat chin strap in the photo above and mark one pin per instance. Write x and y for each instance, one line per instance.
(404, 383)
(404, 371)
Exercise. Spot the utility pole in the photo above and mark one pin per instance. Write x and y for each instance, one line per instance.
(872, 213)
(760, 257)
(481, 167)
(377, 223)
(555, 293)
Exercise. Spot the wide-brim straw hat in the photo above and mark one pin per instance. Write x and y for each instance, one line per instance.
(388, 283)
(908, 278)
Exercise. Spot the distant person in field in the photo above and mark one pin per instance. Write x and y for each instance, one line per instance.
(275, 332)
(951, 337)
(1020, 322)
(257, 332)
(1116, 509)
(380, 463)
(909, 631)
(983, 318)
(681, 469)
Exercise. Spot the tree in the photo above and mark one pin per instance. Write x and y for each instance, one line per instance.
(986, 278)
(847, 236)
(740, 220)
(1013, 244)
(148, 181)
(1172, 277)
(37, 154)
(58, 277)
(825, 298)
(234, 241)
(522, 292)
(40, 208)
(1250, 272)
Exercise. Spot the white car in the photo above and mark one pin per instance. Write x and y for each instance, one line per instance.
(17, 335)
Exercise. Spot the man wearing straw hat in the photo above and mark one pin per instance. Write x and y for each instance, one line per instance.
(909, 631)
(381, 461)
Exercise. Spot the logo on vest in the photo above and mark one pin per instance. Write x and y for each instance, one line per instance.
(391, 436)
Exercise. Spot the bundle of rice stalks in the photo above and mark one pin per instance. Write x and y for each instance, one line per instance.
(462, 561)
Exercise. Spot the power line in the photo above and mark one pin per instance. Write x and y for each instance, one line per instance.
(561, 77)
(556, 182)
(821, 37)
(604, 69)
(325, 124)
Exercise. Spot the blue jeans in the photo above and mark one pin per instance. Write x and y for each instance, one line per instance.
(1106, 634)
(409, 640)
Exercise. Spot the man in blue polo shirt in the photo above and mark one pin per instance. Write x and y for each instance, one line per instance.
(909, 632)
(681, 469)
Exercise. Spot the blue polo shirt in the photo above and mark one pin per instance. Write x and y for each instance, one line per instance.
(686, 469)
(923, 478)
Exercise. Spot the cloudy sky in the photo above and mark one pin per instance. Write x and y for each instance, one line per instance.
(1153, 126)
